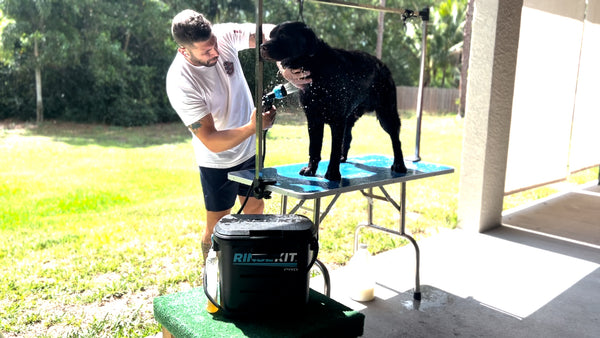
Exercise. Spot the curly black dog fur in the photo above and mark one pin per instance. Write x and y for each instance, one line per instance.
(345, 85)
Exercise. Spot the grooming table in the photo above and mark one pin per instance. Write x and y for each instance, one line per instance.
(362, 173)
(184, 315)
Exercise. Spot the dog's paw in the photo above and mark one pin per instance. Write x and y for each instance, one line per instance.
(333, 176)
(308, 171)
(399, 168)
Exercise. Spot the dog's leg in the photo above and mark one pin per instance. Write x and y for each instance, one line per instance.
(398, 165)
(337, 139)
(315, 139)
(390, 122)
(347, 138)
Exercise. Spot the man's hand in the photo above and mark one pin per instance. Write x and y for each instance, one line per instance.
(297, 77)
(268, 118)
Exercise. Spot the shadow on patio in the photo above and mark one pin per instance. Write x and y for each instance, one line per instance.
(538, 275)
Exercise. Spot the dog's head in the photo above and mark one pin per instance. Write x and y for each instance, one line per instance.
(289, 41)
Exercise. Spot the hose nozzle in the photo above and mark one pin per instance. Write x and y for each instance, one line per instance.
(279, 92)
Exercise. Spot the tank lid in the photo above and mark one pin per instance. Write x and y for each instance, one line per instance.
(249, 225)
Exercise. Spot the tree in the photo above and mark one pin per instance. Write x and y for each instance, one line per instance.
(380, 30)
(97, 61)
(42, 38)
(105, 60)
(445, 43)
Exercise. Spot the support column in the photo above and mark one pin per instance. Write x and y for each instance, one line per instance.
(494, 45)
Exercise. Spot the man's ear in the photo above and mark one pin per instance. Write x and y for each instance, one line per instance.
(183, 52)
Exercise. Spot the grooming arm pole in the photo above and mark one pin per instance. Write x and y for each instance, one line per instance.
(424, 14)
(258, 73)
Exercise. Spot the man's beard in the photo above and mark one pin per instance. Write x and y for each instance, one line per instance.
(208, 63)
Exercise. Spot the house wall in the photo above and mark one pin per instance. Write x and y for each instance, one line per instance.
(492, 65)
(585, 145)
(546, 82)
(533, 101)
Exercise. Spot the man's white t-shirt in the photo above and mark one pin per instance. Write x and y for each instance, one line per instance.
(221, 90)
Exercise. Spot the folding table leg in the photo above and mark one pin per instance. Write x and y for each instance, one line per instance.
(401, 208)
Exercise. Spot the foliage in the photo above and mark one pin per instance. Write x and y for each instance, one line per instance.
(445, 43)
(105, 60)
(102, 61)
(4, 21)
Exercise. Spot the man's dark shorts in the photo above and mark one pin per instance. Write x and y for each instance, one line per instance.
(219, 192)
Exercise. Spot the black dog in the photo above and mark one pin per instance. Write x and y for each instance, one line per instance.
(345, 85)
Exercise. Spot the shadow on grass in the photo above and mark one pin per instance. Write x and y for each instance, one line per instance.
(288, 113)
(126, 137)
(103, 135)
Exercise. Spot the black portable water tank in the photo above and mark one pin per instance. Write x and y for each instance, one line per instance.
(264, 262)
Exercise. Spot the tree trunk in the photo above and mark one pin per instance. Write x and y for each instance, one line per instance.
(379, 48)
(126, 43)
(39, 109)
(466, 52)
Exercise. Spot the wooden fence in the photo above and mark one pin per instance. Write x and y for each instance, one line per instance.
(435, 100)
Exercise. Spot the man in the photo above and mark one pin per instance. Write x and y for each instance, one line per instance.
(207, 89)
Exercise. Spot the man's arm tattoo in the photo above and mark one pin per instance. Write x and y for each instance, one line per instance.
(195, 126)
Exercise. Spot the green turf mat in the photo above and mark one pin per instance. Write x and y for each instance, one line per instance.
(184, 315)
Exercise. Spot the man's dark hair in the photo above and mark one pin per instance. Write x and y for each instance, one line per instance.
(189, 27)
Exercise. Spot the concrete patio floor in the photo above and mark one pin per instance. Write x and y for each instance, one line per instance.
(538, 275)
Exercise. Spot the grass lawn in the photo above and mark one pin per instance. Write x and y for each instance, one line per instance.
(96, 221)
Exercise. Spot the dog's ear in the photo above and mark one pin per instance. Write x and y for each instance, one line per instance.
(311, 41)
